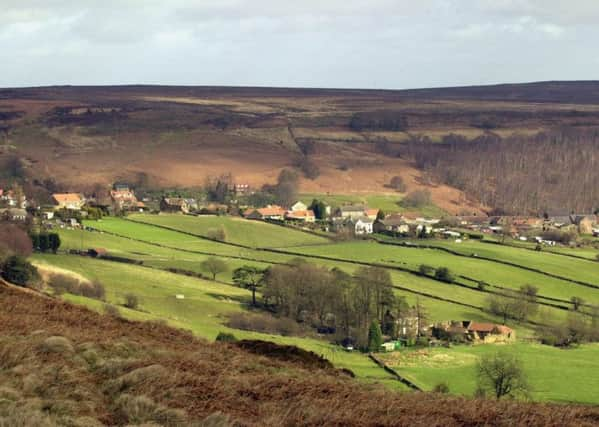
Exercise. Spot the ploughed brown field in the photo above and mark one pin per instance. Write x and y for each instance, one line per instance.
(64, 364)
(180, 135)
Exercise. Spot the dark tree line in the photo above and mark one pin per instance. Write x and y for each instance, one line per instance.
(379, 120)
(332, 300)
(550, 171)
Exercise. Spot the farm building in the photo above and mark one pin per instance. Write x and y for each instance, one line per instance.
(477, 332)
(174, 204)
(355, 212)
(273, 212)
(489, 332)
(300, 215)
(72, 201)
(392, 224)
(13, 214)
(363, 225)
(123, 199)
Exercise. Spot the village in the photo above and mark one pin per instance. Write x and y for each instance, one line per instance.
(349, 221)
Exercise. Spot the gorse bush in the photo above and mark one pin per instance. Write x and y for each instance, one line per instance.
(62, 283)
(131, 301)
(264, 323)
(19, 271)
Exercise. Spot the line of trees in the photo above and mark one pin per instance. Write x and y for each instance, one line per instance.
(46, 242)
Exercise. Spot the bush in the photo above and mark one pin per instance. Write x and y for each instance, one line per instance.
(93, 290)
(62, 283)
(308, 167)
(19, 271)
(577, 302)
(443, 274)
(217, 234)
(111, 310)
(56, 344)
(425, 270)
(417, 199)
(482, 286)
(398, 184)
(441, 387)
(264, 323)
(131, 301)
(225, 337)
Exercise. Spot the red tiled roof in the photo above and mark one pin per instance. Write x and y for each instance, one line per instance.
(488, 327)
(300, 214)
(67, 197)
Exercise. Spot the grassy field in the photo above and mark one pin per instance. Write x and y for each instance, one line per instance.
(554, 374)
(568, 267)
(163, 257)
(388, 203)
(207, 303)
(240, 231)
(203, 310)
(493, 273)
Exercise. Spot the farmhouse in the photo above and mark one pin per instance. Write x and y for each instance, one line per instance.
(273, 212)
(72, 201)
(355, 212)
(476, 332)
(123, 199)
(363, 225)
(13, 214)
(13, 199)
(392, 224)
(298, 206)
(174, 204)
(489, 332)
(300, 215)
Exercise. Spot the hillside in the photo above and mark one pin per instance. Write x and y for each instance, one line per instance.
(62, 364)
(358, 139)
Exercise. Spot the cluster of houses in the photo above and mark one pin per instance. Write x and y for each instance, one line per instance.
(13, 204)
(460, 331)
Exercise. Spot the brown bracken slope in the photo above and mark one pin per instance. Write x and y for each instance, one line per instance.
(66, 365)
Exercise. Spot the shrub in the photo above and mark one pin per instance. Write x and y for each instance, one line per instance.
(443, 274)
(482, 286)
(62, 283)
(225, 337)
(398, 184)
(56, 344)
(131, 301)
(111, 310)
(264, 323)
(93, 290)
(425, 270)
(142, 409)
(19, 271)
(417, 199)
(308, 167)
(217, 234)
(577, 302)
(441, 387)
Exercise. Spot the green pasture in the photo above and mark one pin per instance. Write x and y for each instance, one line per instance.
(203, 310)
(554, 374)
(237, 230)
(494, 273)
(388, 203)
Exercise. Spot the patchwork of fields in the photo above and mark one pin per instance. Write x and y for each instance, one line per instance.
(174, 241)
